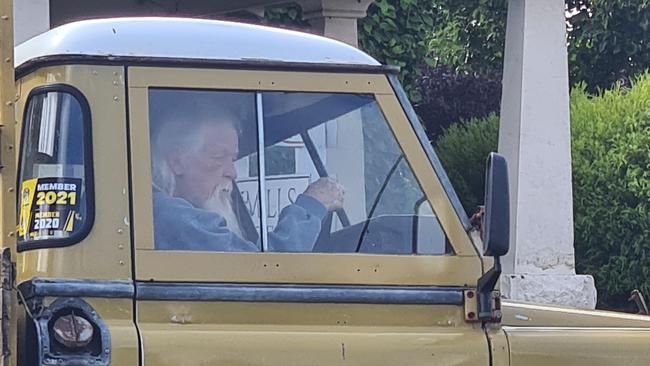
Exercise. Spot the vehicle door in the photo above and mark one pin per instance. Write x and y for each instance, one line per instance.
(292, 218)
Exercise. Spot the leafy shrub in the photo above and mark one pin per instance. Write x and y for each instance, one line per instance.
(449, 96)
(611, 183)
(463, 149)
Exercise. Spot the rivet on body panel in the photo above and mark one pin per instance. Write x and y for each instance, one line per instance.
(116, 98)
(94, 72)
(120, 246)
(120, 231)
(121, 263)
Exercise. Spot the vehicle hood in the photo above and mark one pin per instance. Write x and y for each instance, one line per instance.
(535, 315)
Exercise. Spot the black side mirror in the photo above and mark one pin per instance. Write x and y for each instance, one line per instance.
(496, 234)
(496, 221)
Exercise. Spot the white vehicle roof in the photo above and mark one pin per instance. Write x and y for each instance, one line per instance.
(182, 38)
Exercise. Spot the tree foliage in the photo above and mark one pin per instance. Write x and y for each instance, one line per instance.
(609, 41)
(396, 33)
(449, 96)
(470, 35)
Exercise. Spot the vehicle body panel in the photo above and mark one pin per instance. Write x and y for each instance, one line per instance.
(537, 315)
(543, 335)
(105, 253)
(314, 334)
(533, 346)
(188, 39)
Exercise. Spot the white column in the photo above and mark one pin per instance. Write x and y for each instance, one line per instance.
(32, 17)
(335, 19)
(535, 137)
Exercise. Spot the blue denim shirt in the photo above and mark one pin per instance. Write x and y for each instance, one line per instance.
(178, 225)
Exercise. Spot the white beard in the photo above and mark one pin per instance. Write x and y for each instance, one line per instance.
(221, 202)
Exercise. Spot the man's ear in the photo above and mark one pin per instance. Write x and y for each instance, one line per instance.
(175, 161)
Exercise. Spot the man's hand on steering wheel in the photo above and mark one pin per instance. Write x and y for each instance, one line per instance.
(328, 192)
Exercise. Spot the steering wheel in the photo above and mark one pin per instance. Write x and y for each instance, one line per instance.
(326, 224)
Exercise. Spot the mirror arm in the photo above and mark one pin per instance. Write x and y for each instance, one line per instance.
(489, 301)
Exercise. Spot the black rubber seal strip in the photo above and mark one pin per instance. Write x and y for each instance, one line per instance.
(231, 292)
(80, 59)
(402, 295)
(42, 287)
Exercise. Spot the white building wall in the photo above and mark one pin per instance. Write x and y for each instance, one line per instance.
(31, 17)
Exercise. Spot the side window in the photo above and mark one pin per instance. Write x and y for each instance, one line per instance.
(55, 199)
(205, 186)
(284, 172)
(352, 189)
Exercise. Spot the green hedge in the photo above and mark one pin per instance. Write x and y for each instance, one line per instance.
(611, 183)
(463, 149)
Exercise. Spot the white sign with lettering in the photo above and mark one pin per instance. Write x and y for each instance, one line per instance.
(281, 191)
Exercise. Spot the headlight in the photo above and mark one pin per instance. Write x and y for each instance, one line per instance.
(72, 331)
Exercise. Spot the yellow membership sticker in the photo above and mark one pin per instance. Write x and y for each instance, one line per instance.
(48, 207)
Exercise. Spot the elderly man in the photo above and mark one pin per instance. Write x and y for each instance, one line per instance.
(193, 173)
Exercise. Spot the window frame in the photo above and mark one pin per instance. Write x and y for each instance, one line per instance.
(89, 180)
(460, 269)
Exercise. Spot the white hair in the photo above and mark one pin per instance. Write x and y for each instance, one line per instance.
(176, 137)
(171, 139)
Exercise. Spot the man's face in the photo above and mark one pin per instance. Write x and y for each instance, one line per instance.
(209, 167)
